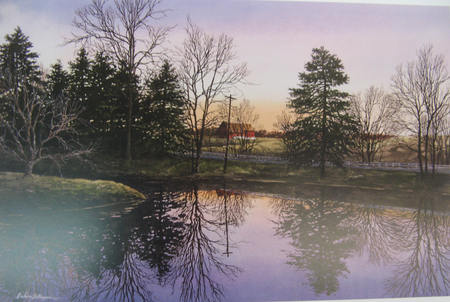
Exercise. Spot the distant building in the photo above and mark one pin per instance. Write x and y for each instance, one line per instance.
(237, 131)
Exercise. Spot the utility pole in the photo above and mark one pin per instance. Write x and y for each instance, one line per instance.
(228, 135)
(227, 252)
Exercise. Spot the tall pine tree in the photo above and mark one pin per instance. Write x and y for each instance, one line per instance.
(18, 63)
(162, 126)
(18, 69)
(323, 129)
(78, 91)
(57, 81)
(103, 106)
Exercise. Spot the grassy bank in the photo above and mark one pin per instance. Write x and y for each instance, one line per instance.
(252, 175)
(56, 192)
(211, 171)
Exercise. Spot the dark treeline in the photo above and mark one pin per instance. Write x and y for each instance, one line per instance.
(101, 87)
(69, 111)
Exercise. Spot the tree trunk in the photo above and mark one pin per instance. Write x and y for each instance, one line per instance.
(129, 117)
(130, 112)
(426, 146)
(323, 138)
(29, 168)
(419, 151)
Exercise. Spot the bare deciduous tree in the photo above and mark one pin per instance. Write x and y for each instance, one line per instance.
(443, 142)
(123, 30)
(285, 123)
(376, 113)
(207, 73)
(40, 129)
(422, 89)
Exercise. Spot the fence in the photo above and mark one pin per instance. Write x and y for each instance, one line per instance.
(351, 164)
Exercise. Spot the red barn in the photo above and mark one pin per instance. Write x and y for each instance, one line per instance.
(237, 131)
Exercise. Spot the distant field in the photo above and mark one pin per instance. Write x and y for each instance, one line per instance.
(263, 146)
(398, 149)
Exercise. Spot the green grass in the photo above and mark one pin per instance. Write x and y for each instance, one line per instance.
(56, 192)
(211, 171)
(263, 146)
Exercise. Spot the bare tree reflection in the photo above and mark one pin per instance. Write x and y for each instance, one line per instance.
(321, 239)
(127, 282)
(425, 269)
(380, 230)
(199, 261)
(231, 210)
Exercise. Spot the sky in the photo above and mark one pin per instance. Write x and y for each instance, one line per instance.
(274, 37)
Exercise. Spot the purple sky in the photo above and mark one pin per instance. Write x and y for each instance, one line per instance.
(275, 38)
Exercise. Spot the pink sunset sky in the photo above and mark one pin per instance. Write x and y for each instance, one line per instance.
(274, 38)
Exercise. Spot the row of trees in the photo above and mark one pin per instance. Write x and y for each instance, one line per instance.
(110, 99)
(118, 100)
(328, 125)
(64, 114)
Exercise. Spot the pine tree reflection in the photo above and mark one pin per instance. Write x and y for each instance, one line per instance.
(199, 261)
(425, 269)
(121, 261)
(416, 242)
(87, 259)
(321, 239)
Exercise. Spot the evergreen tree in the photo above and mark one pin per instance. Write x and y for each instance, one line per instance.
(18, 69)
(78, 91)
(123, 86)
(323, 129)
(79, 78)
(18, 64)
(57, 81)
(102, 105)
(162, 124)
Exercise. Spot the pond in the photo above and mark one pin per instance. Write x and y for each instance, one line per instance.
(220, 244)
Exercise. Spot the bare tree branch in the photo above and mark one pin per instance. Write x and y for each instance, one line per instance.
(207, 73)
(377, 113)
(123, 30)
(41, 129)
(422, 88)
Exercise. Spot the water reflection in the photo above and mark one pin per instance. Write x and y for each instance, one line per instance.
(425, 267)
(122, 258)
(321, 241)
(114, 257)
(199, 261)
(176, 239)
(182, 246)
(415, 243)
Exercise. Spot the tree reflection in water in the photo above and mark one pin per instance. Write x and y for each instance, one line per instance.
(184, 240)
(122, 255)
(426, 241)
(379, 232)
(199, 260)
(326, 233)
(116, 258)
(321, 239)
(130, 253)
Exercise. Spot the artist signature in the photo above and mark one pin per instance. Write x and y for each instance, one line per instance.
(35, 297)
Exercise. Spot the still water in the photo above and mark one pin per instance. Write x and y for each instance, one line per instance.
(219, 244)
